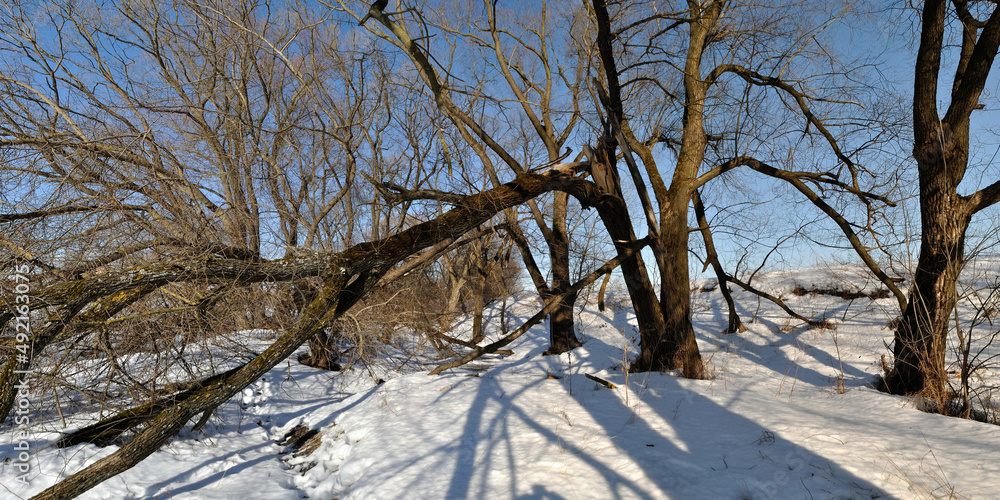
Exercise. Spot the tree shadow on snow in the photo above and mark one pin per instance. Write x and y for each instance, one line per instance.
(505, 432)
(679, 444)
(689, 446)
(779, 362)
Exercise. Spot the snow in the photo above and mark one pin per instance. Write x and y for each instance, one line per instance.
(770, 423)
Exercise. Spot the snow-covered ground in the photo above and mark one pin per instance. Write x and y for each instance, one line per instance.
(770, 423)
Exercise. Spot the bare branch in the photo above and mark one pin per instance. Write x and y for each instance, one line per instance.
(550, 305)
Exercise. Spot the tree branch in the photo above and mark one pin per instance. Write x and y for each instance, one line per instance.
(973, 79)
(365, 263)
(394, 192)
(550, 305)
(39, 214)
(754, 78)
(985, 197)
(839, 219)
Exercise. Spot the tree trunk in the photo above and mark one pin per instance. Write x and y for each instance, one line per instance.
(601, 294)
(670, 344)
(712, 258)
(675, 346)
(941, 149)
(324, 350)
(562, 330)
(323, 347)
(920, 340)
(614, 214)
(478, 304)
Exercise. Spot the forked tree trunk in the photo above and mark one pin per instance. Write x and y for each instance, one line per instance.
(941, 149)
(670, 343)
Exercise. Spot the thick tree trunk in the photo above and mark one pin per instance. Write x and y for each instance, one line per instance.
(323, 347)
(614, 214)
(941, 149)
(675, 346)
(562, 328)
(671, 343)
(920, 340)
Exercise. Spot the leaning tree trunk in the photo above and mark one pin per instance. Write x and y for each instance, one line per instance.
(601, 294)
(324, 346)
(614, 214)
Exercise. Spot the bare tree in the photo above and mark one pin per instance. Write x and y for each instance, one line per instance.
(347, 276)
(224, 146)
(147, 132)
(533, 80)
(941, 150)
(674, 79)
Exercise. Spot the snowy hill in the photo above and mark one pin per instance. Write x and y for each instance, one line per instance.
(771, 423)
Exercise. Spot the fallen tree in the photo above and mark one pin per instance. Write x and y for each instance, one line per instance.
(347, 276)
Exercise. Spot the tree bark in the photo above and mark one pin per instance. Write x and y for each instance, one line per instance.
(920, 341)
(615, 217)
(675, 346)
(667, 341)
(562, 328)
